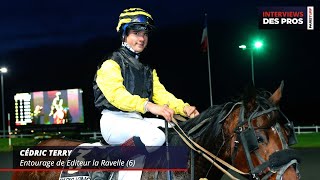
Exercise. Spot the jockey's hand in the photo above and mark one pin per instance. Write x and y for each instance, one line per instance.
(164, 110)
(191, 111)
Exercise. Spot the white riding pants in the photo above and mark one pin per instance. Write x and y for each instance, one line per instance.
(117, 127)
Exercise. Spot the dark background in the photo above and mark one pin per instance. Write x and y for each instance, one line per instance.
(52, 45)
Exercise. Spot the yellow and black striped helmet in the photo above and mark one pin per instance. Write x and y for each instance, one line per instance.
(134, 16)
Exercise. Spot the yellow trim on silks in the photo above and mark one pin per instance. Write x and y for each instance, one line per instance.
(203, 179)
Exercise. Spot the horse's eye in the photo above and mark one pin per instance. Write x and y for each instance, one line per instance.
(260, 139)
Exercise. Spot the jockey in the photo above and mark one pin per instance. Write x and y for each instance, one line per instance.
(125, 89)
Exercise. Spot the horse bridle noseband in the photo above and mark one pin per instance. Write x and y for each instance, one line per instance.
(246, 135)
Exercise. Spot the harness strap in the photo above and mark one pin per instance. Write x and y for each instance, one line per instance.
(259, 156)
(282, 139)
(207, 119)
(198, 126)
(252, 116)
(284, 168)
(246, 150)
(266, 177)
(235, 149)
(255, 115)
(230, 111)
(261, 167)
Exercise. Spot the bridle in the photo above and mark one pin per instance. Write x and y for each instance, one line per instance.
(279, 161)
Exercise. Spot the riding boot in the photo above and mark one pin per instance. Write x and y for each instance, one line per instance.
(133, 152)
(129, 149)
(133, 146)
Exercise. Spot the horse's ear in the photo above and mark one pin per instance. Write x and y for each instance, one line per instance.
(249, 97)
(276, 96)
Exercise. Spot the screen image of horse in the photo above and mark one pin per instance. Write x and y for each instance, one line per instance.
(249, 135)
(54, 107)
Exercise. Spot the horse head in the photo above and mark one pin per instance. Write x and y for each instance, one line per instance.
(251, 135)
(260, 137)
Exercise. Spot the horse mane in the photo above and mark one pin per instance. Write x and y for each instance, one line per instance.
(212, 116)
(215, 115)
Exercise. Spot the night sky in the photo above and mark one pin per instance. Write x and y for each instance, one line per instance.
(54, 45)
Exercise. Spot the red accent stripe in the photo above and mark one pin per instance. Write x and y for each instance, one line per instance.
(129, 142)
(103, 169)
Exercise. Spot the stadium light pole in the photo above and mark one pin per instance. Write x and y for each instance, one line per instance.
(257, 45)
(2, 71)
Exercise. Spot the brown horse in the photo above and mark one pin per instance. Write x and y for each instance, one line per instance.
(250, 133)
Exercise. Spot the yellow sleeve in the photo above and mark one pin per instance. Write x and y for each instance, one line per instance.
(161, 96)
(110, 82)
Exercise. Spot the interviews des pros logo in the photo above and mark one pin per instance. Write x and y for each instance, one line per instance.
(287, 17)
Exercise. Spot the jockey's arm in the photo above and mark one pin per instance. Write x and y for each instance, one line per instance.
(110, 81)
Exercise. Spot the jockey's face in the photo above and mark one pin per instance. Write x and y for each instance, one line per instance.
(137, 40)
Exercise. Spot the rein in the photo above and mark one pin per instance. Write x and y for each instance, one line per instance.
(205, 153)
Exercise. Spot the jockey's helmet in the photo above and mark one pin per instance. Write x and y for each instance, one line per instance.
(134, 19)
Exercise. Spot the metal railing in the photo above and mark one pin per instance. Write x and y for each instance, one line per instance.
(95, 134)
(306, 129)
(16, 135)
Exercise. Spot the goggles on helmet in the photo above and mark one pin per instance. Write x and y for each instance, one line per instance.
(139, 22)
(142, 19)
